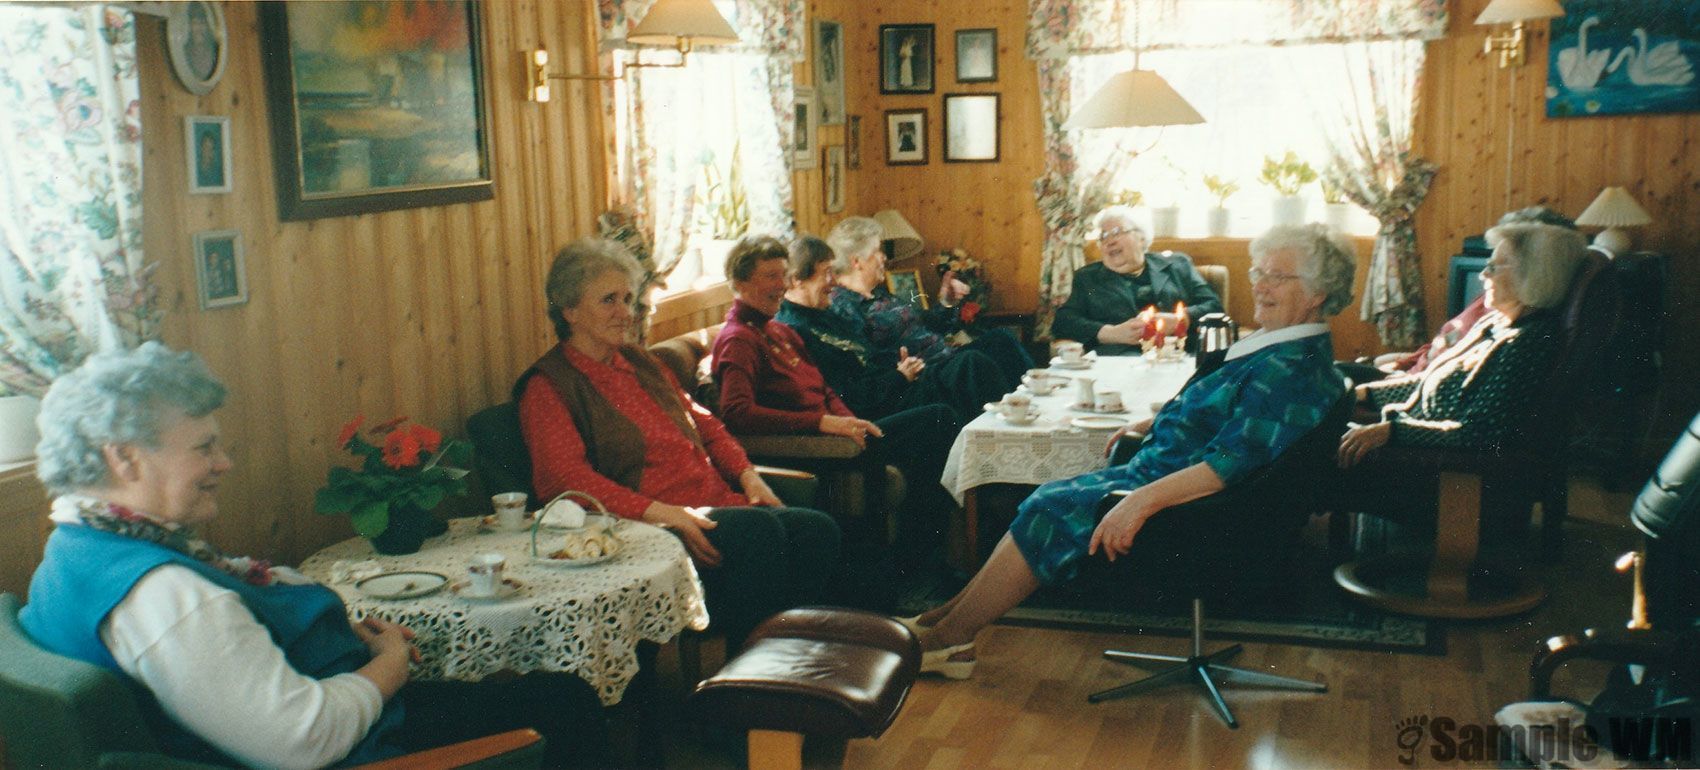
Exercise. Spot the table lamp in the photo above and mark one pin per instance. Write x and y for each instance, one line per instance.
(1614, 210)
(905, 242)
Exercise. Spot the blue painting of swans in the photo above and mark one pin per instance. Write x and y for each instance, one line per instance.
(1618, 57)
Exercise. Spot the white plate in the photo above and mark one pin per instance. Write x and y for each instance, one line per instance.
(509, 588)
(550, 562)
(402, 585)
(1098, 423)
(1084, 363)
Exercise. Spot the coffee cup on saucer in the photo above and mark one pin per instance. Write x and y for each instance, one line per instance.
(484, 575)
(1015, 405)
(510, 510)
(1071, 352)
(1107, 401)
(1041, 382)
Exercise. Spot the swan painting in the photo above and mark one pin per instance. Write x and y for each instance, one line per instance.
(1664, 65)
(1579, 68)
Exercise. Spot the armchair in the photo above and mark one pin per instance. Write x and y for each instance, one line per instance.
(1470, 487)
(1221, 545)
(56, 712)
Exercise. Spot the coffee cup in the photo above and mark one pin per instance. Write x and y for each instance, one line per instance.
(1015, 404)
(1108, 401)
(484, 574)
(1070, 352)
(510, 510)
(1041, 384)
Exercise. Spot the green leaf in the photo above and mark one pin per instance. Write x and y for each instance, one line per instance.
(336, 499)
(371, 518)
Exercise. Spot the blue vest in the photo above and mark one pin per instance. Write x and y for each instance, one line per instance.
(85, 572)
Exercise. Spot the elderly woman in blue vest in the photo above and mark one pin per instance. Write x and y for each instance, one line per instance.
(240, 661)
(1103, 308)
(1276, 385)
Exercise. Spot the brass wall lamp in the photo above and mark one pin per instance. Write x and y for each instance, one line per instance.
(678, 24)
(1510, 46)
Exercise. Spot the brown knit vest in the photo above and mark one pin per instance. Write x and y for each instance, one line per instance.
(613, 444)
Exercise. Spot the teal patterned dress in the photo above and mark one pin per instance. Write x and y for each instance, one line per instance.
(1236, 420)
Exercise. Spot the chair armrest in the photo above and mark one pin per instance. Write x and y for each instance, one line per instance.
(1650, 647)
(815, 447)
(513, 749)
(795, 488)
(768, 471)
(1460, 460)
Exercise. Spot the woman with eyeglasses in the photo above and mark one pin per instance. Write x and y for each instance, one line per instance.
(1103, 309)
(1467, 396)
(1274, 387)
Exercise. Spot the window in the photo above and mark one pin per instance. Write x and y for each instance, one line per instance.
(1257, 102)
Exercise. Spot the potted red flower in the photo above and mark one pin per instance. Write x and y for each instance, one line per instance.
(405, 470)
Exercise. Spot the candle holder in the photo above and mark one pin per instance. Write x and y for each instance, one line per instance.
(1169, 350)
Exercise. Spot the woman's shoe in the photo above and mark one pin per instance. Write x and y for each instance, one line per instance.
(939, 662)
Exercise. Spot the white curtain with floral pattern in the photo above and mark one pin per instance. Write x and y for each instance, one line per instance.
(72, 277)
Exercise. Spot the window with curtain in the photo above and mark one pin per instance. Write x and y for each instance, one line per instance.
(72, 277)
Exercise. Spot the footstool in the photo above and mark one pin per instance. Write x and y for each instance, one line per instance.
(821, 671)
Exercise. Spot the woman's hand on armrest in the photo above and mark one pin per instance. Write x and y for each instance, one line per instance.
(1135, 429)
(854, 428)
(1360, 440)
(689, 523)
(756, 488)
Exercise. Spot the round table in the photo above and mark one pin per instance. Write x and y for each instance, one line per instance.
(585, 620)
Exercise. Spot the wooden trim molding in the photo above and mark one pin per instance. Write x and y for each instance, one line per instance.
(23, 525)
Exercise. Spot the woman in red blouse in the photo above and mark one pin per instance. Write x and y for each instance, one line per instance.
(603, 416)
(768, 384)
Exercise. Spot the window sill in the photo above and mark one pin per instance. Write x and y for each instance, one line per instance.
(20, 469)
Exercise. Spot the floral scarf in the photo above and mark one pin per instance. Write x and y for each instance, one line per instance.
(108, 517)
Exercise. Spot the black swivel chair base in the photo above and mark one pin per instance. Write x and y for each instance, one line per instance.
(1202, 669)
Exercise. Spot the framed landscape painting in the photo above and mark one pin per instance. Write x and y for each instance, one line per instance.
(1610, 57)
(375, 106)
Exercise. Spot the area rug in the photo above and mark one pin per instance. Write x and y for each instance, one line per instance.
(1319, 615)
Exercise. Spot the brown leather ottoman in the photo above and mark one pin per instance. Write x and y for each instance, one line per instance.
(822, 671)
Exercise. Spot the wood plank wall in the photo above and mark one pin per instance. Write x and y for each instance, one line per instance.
(428, 313)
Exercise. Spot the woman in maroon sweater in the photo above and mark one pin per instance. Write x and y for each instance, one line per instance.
(768, 385)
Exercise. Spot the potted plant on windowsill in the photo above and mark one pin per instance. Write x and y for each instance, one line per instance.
(405, 472)
(1216, 219)
(1287, 176)
(1336, 212)
(723, 215)
(1166, 219)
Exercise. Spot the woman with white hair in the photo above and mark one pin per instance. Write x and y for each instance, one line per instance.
(242, 662)
(1102, 310)
(1275, 386)
(894, 325)
(1468, 396)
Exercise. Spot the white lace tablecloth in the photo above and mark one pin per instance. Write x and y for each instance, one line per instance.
(990, 451)
(586, 620)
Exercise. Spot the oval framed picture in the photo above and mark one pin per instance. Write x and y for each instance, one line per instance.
(195, 38)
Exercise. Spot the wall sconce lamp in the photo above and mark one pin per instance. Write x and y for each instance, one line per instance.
(1510, 46)
(1614, 210)
(678, 24)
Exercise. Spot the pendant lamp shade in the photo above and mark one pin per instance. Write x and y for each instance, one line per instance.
(1508, 11)
(1134, 98)
(682, 22)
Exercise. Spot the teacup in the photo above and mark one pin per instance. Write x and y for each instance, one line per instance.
(1107, 401)
(484, 574)
(1071, 352)
(1015, 404)
(1041, 384)
(510, 510)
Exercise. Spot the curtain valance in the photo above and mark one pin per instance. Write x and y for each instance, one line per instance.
(1058, 29)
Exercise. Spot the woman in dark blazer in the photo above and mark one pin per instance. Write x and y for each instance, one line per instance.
(1103, 308)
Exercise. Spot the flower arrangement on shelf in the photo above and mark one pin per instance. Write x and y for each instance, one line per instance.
(1287, 174)
(969, 271)
(405, 471)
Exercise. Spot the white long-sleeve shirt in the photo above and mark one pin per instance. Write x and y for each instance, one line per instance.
(216, 671)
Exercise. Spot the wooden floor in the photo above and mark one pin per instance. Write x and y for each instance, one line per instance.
(1026, 705)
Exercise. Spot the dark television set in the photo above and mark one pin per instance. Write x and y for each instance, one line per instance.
(1463, 276)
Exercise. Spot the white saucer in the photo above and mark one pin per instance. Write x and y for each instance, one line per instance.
(1084, 363)
(1097, 423)
(1032, 417)
(402, 585)
(507, 590)
(1092, 410)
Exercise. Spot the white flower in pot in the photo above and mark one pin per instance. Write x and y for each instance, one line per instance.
(1336, 212)
(1216, 219)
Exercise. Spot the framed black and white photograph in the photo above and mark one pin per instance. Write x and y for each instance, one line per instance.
(853, 142)
(906, 58)
(218, 267)
(196, 43)
(803, 142)
(206, 140)
(906, 285)
(829, 71)
(970, 128)
(905, 137)
(977, 55)
(833, 179)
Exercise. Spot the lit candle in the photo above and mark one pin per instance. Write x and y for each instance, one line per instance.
(1180, 319)
(1159, 332)
(1145, 317)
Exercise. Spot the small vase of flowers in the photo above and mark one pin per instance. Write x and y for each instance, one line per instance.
(956, 262)
(405, 471)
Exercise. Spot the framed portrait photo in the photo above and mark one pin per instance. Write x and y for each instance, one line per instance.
(219, 269)
(906, 285)
(905, 137)
(853, 141)
(829, 71)
(977, 55)
(832, 182)
(803, 141)
(375, 106)
(906, 58)
(970, 128)
(196, 44)
(206, 145)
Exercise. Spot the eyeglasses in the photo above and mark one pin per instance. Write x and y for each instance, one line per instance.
(1491, 268)
(1104, 235)
(1259, 275)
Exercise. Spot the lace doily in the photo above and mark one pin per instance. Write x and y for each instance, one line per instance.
(585, 620)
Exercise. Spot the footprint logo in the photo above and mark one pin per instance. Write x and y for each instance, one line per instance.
(1410, 737)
